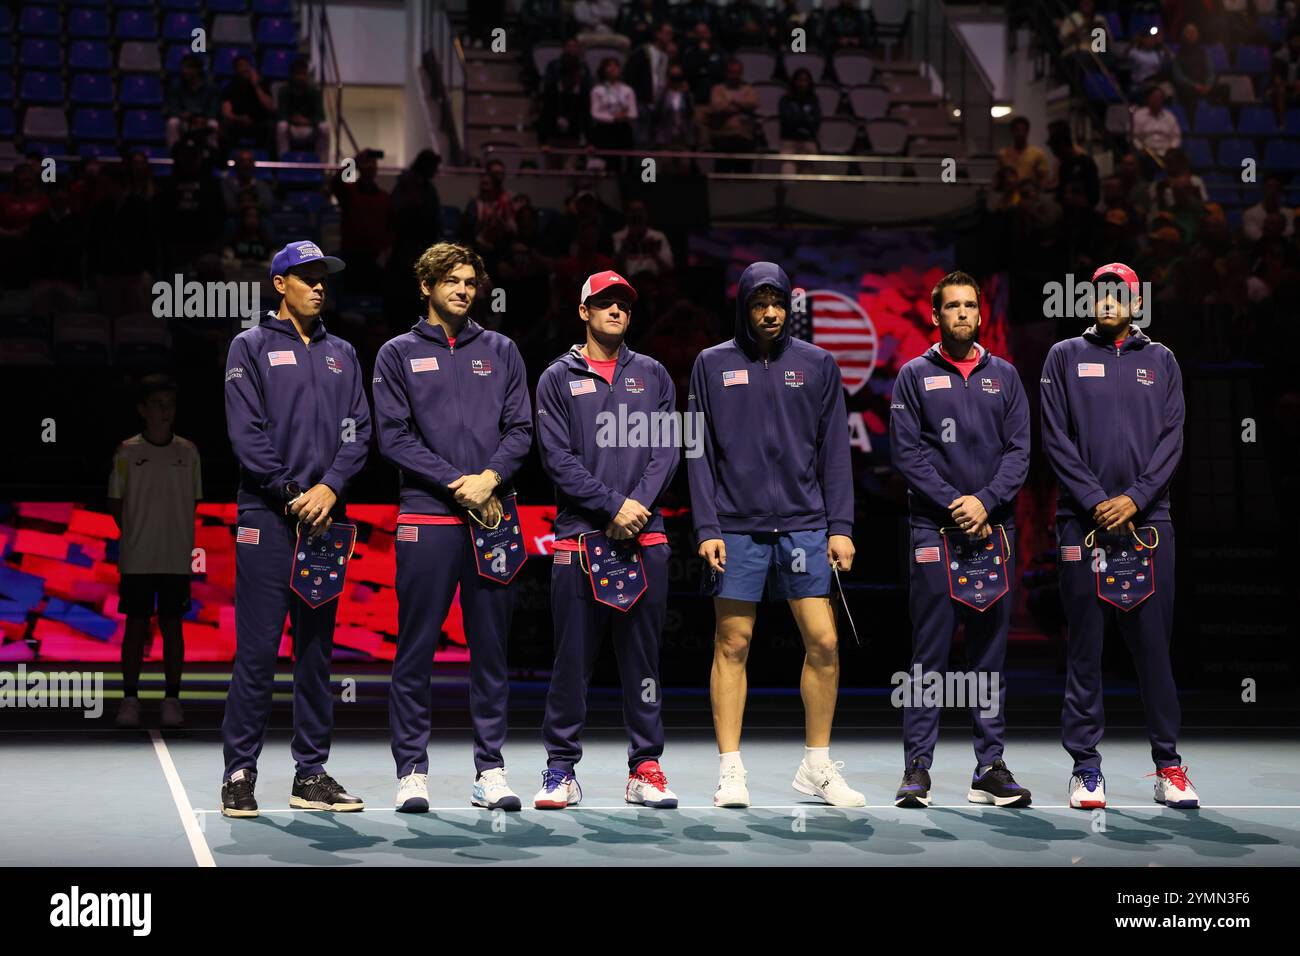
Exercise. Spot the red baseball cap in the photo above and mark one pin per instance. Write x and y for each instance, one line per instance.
(601, 281)
(1123, 272)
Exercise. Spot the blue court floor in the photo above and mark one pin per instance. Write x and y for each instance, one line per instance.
(143, 798)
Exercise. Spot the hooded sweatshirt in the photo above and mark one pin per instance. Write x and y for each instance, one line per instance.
(294, 412)
(1112, 422)
(579, 416)
(776, 442)
(446, 410)
(951, 435)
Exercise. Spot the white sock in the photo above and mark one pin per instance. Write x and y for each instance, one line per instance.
(816, 756)
(729, 761)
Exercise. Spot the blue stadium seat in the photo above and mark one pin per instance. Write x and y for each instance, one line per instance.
(1219, 57)
(1143, 22)
(1291, 122)
(1256, 60)
(1233, 151)
(88, 22)
(93, 124)
(143, 126)
(227, 6)
(1114, 24)
(190, 6)
(273, 8)
(89, 55)
(41, 88)
(6, 21)
(262, 173)
(6, 51)
(176, 52)
(179, 27)
(140, 89)
(1198, 152)
(1257, 121)
(91, 3)
(96, 150)
(276, 31)
(39, 21)
(39, 53)
(6, 86)
(138, 4)
(6, 122)
(136, 25)
(1180, 114)
(1282, 154)
(160, 170)
(1272, 28)
(275, 62)
(1213, 120)
(224, 64)
(1234, 218)
(1224, 195)
(1099, 86)
(300, 176)
(94, 89)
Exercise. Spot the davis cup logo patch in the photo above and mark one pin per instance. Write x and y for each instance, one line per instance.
(937, 381)
(333, 365)
(281, 358)
(634, 385)
(1146, 376)
(735, 378)
(794, 379)
(991, 385)
(1092, 370)
(481, 367)
(429, 364)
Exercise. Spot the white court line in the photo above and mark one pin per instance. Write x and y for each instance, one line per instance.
(198, 845)
(883, 806)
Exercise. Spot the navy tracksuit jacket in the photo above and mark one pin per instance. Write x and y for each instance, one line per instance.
(776, 442)
(294, 412)
(986, 417)
(592, 479)
(1112, 425)
(443, 411)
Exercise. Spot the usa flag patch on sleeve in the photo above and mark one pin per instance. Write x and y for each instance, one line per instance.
(1071, 552)
(248, 536)
(563, 557)
(408, 532)
(582, 386)
(937, 381)
(1092, 370)
(281, 358)
(927, 555)
(429, 364)
(740, 377)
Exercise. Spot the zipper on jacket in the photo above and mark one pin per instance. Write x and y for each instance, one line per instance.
(771, 472)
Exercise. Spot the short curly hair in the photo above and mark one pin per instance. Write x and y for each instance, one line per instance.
(441, 258)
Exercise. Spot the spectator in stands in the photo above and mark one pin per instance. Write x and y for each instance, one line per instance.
(1148, 61)
(124, 237)
(1006, 190)
(732, 106)
(675, 113)
(91, 187)
(647, 74)
(489, 219)
(1155, 130)
(566, 104)
(1179, 202)
(366, 230)
(570, 58)
(789, 18)
(190, 209)
(1079, 38)
(687, 16)
(247, 110)
(1029, 161)
(1253, 219)
(801, 117)
(639, 20)
(1115, 198)
(301, 121)
(571, 270)
(56, 239)
(704, 64)
(613, 112)
(1073, 163)
(244, 180)
(744, 24)
(190, 95)
(1234, 24)
(581, 208)
(251, 244)
(524, 272)
(1137, 189)
(1194, 76)
(417, 225)
(846, 27)
(23, 203)
(596, 19)
(1284, 87)
(542, 20)
(639, 248)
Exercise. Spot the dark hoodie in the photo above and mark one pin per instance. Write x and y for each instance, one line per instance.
(776, 442)
(1112, 422)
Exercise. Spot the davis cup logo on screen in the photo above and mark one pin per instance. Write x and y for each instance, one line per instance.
(843, 328)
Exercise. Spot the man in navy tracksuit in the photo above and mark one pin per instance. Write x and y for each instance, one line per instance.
(300, 427)
(959, 434)
(451, 402)
(773, 498)
(1113, 431)
(609, 483)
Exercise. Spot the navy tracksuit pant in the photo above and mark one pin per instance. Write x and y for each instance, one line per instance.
(581, 625)
(429, 569)
(1147, 629)
(262, 599)
(935, 616)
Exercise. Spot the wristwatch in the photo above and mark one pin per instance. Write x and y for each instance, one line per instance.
(291, 490)
(497, 475)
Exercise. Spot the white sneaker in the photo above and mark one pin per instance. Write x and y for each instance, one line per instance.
(1173, 789)
(128, 712)
(732, 791)
(648, 786)
(826, 781)
(172, 714)
(413, 793)
(1088, 790)
(492, 791)
(559, 790)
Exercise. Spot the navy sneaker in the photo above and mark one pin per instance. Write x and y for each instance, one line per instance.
(322, 792)
(998, 787)
(914, 791)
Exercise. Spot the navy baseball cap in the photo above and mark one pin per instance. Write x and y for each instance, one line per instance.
(300, 253)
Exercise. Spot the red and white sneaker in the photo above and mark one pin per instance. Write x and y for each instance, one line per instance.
(647, 785)
(1173, 789)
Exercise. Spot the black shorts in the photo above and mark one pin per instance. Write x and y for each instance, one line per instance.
(138, 592)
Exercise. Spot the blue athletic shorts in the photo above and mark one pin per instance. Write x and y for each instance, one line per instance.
(790, 565)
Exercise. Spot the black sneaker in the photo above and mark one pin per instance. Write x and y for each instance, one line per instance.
(997, 787)
(915, 788)
(237, 795)
(323, 792)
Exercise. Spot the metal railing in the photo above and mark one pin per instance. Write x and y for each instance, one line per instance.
(936, 41)
(448, 75)
(320, 38)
